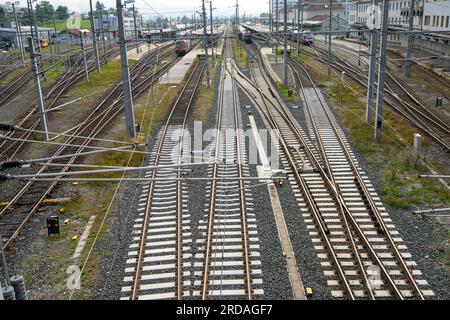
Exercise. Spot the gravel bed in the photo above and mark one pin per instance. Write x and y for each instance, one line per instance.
(276, 283)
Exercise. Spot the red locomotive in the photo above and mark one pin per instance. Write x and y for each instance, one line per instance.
(182, 47)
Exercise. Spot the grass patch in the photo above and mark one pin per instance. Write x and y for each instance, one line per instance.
(61, 25)
(205, 96)
(95, 198)
(285, 91)
(399, 182)
(240, 54)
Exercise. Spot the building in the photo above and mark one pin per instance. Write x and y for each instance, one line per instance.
(429, 15)
(432, 15)
(110, 23)
(317, 11)
(8, 33)
(436, 16)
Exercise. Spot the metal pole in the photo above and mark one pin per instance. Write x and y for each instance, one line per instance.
(299, 5)
(102, 30)
(86, 71)
(56, 33)
(410, 41)
(329, 41)
(285, 65)
(37, 85)
(5, 266)
(135, 29)
(51, 48)
(271, 21)
(212, 29)
(206, 44)
(94, 38)
(19, 35)
(381, 71)
(34, 37)
(372, 69)
(126, 84)
(276, 31)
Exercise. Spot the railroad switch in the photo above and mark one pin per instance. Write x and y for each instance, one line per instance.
(309, 292)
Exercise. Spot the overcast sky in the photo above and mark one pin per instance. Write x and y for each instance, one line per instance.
(172, 7)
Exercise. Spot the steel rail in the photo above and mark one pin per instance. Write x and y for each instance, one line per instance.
(370, 203)
(146, 220)
(98, 127)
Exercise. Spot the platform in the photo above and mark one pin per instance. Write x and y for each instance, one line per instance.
(177, 73)
(132, 52)
(275, 68)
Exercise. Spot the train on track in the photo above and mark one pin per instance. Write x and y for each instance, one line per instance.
(305, 37)
(182, 46)
(245, 36)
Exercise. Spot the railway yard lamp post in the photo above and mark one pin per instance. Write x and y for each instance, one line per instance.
(126, 83)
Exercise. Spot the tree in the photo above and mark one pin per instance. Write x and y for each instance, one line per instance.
(62, 13)
(99, 6)
(44, 11)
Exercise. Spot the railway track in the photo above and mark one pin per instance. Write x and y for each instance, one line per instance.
(228, 262)
(29, 117)
(399, 98)
(361, 253)
(159, 256)
(18, 211)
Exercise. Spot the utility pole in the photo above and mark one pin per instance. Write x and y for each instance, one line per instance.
(19, 35)
(276, 31)
(86, 71)
(409, 47)
(285, 63)
(102, 32)
(135, 30)
(381, 71)
(51, 48)
(206, 44)
(372, 66)
(299, 6)
(126, 84)
(94, 38)
(212, 29)
(329, 41)
(56, 33)
(37, 86)
(33, 24)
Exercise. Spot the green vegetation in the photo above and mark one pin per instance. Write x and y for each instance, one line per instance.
(205, 96)
(285, 91)
(61, 25)
(94, 198)
(240, 54)
(399, 182)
